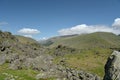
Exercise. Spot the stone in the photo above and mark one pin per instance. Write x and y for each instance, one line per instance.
(40, 76)
(73, 74)
(112, 67)
(2, 58)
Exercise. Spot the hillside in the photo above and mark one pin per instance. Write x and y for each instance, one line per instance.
(50, 41)
(67, 57)
(25, 40)
(87, 52)
(17, 57)
(23, 58)
(98, 39)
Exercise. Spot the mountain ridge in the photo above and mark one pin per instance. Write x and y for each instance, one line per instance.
(100, 39)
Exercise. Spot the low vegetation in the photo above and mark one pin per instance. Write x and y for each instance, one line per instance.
(23, 58)
(90, 51)
(93, 40)
(9, 74)
(92, 60)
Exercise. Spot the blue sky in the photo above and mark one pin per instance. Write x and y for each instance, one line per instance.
(46, 18)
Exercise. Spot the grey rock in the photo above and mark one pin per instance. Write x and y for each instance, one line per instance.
(73, 74)
(40, 76)
(112, 67)
(2, 58)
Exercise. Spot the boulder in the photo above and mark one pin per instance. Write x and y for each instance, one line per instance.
(112, 67)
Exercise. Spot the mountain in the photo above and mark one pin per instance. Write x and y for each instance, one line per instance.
(85, 41)
(50, 41)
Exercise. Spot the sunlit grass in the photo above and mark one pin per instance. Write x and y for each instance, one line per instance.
(18, 74)
(92, 60)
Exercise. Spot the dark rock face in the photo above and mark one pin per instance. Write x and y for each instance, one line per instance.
(112, 67)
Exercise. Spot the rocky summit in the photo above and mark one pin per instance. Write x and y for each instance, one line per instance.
(112, 67)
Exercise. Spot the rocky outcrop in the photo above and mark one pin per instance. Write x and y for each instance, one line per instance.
(22, 56)
(112, 67)
(61, 50)
(65, 73)
(73, 74)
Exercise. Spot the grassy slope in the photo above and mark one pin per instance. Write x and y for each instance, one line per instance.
(16, 74)
(94, 51)
(5, 72)
(24, 74)
(92, 60)
(25, 40)
(99, 39)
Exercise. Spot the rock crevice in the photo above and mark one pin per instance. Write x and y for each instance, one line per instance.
(112, 67)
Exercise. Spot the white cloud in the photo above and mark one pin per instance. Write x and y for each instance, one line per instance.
(28, 31)
(83, 28)
(3, 23)
(116, 23)
(30, 36)
(43, 38)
